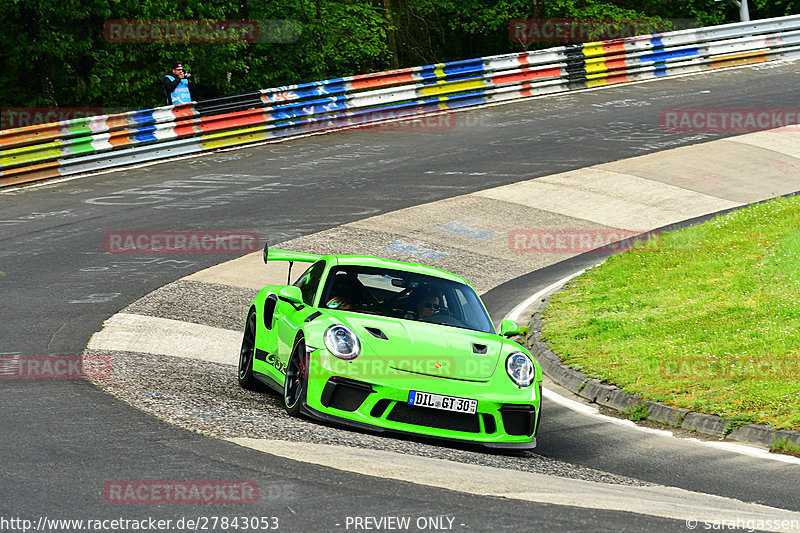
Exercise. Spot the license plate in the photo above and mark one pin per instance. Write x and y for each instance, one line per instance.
(445, 403)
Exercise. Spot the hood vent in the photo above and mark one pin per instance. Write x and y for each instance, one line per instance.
(375, 332)
(312, 316)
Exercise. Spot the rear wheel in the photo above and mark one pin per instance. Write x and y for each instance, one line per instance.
(296, 383)
(246, 378)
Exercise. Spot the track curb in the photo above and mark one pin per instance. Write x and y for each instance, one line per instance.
(611, 396)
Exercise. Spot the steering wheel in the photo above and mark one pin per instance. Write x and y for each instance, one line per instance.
(442, 311)
(390, 303)
(443, 316)
(438, 315)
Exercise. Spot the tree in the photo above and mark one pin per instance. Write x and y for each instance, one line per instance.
(60, 52)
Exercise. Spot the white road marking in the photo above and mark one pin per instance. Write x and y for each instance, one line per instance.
(163, 336)
(666, 502)
(126, 332)
(248, 271)
(520, 308)
(612, 198)
(593, 411)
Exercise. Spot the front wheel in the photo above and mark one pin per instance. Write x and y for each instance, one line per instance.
(296, 384)
(246, 378)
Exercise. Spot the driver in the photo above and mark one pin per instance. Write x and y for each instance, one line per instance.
(340, 302)
(426, 303)
(344, 293)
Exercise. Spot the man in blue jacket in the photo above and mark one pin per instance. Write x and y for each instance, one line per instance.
(178, 86)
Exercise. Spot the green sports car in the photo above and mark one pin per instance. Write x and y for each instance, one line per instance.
(390, 346)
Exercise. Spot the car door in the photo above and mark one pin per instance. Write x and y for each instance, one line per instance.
(266, 360)
(293, 314)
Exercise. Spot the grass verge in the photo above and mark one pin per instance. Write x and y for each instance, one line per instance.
(706, 318)
(786, 447)
(637, 413)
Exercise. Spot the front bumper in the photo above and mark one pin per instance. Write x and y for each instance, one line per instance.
(506, 417)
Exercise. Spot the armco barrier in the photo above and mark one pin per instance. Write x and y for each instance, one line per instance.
(91, 144)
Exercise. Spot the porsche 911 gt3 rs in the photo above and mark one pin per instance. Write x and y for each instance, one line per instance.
(391, 346)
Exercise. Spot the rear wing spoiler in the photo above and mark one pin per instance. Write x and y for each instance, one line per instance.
(286, 255)
(291, 257)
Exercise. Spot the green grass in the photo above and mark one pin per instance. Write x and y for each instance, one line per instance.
(784, 446)
(638, 412)
(708, 318)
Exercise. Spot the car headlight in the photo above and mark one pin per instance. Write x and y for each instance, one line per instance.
(342, 342)
(520, 369)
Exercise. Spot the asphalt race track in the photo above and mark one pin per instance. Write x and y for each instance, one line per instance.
(64, 440)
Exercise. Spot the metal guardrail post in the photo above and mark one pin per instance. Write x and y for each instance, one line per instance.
(744, 10)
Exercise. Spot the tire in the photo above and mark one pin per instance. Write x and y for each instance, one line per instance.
(245, 374)
(295, 385)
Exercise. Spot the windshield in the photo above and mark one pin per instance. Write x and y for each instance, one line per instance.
(406, 295)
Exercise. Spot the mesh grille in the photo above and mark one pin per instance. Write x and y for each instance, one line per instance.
(379, 408)
(434, 418)
(488, 423)
(344, 394)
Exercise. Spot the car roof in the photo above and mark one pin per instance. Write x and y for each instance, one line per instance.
(416, 268)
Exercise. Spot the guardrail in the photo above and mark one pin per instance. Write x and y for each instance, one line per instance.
(96, 143)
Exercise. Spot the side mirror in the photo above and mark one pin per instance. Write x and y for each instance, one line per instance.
(266, 249)
(292, 293)
(509, 328)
